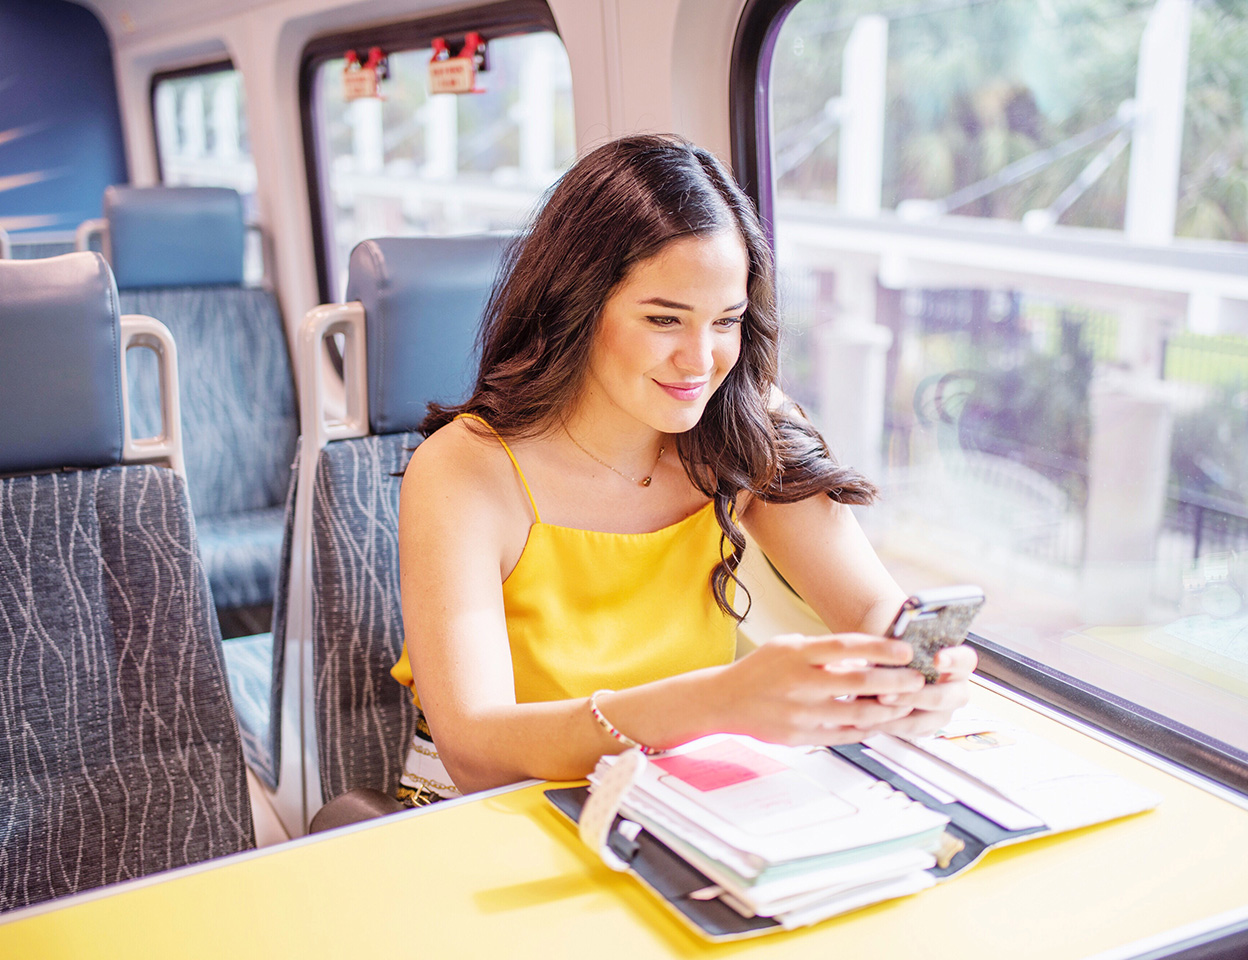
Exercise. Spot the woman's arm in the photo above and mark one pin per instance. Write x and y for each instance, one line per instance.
(819, 548)
(462, 525)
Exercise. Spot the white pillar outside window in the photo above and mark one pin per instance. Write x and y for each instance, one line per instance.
(1157, 137)
(535, 115)
(1128, 471)
(192, 116)
(860, 160)
(167, 123)
(850, 347)
(441, 120)
(225, 119)
(367, 141)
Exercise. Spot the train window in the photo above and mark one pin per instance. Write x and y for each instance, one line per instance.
(412, 164)
(1013, 249)
(200, 118)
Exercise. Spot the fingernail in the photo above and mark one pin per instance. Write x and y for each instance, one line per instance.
(887, 699)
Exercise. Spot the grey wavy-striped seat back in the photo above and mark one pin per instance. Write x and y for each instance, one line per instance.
(363, 717)
(240, 427)
(423, 300)
(119, 755)
(256, 666)
(239, 412)
(238, 397)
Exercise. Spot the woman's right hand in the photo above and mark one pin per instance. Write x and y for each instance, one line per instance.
(800, 690)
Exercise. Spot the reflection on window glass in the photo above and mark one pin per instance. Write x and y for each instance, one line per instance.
(413, 164)
(202, 141)
(1013, 245)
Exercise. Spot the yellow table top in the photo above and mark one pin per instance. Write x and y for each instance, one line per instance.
(506, 876)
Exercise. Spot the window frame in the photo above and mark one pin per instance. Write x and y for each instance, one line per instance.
(750, 127)
(490, 20)
(179, 73)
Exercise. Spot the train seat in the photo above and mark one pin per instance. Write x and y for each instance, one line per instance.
(23, 248)
(177, 253)
(409, 328)
(256, 673)
(119, 755)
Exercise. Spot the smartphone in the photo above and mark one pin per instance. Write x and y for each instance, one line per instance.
(934, 619)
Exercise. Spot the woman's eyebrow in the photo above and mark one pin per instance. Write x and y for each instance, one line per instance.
(673, 305)
(663, 302)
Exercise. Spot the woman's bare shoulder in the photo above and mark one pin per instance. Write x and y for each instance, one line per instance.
(458, 457)
(461, 469)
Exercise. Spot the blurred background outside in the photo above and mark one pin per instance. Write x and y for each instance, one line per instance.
(1013, 243)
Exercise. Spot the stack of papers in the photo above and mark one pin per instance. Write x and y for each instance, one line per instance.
(1016, 779)
(786, 836)
(794, 834)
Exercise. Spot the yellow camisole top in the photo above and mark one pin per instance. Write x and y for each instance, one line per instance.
(588, 610)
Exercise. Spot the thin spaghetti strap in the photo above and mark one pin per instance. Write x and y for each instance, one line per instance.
(510, 456)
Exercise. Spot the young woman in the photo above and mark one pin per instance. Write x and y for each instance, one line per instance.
(569, 535)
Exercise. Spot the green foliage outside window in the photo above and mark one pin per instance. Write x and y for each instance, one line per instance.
(976, 86)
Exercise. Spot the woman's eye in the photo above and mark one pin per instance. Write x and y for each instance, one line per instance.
(663, 321)
(730, 321)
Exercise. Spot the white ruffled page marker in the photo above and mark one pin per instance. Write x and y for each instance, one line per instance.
(612, 782)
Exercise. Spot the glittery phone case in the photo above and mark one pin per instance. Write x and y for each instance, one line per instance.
(934, 619)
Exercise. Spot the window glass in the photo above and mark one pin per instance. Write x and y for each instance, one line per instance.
(1013, 247)
(202, 141)
(413, 164)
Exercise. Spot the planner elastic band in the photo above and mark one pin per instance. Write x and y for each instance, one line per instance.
(610, 727)
(611, 783)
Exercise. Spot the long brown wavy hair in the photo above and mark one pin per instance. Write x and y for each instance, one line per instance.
(619, 205)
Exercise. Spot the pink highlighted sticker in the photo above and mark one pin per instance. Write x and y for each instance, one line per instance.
(722, 764)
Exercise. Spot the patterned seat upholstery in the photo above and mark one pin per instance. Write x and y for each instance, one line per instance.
(119, 755)
(178, 256)
(256, 664)
(241, 554)
(363, 718)
(423, 299)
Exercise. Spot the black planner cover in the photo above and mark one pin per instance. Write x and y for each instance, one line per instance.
(673, 879)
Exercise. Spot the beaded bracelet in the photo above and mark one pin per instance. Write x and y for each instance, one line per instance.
(610, 728)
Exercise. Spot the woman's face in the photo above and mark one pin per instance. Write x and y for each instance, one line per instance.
(671, 331)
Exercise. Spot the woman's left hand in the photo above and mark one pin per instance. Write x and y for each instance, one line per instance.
(935, 703)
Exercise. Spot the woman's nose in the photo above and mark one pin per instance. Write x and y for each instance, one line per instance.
(696, 353)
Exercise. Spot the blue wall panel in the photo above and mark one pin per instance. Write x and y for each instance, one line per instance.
(60, 127)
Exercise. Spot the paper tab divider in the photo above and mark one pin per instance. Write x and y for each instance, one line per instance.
(976, 795)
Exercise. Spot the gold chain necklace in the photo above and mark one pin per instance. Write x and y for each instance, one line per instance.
(645, 481)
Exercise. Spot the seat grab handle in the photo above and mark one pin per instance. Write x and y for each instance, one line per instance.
(332, 409)
(140, 331)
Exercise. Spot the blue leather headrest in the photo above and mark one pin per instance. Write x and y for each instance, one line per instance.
(175, 236)
(60, 376)
(423, 299)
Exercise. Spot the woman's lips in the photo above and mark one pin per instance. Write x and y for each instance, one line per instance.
(684, 391)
